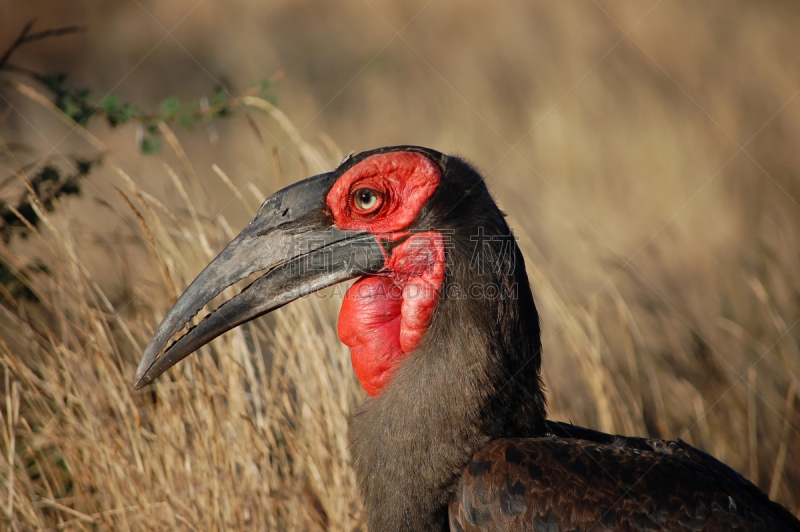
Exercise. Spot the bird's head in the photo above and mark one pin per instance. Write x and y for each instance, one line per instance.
(418, 227)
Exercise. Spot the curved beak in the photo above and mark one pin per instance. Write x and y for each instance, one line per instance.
(293, 242)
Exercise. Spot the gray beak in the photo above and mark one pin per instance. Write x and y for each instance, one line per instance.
(293, 242)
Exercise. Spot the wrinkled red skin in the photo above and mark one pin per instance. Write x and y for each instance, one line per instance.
(405, 179)
(385, 316)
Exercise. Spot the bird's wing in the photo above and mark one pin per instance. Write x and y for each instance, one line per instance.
(560, 484)
(683, 450)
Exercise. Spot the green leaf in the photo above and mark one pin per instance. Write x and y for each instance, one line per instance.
(220, 102)
(150, 144)
(111, 104)
(128, 112)
(186, 120)
(170, 106)
(264, 86)
(84, 166)
(55, 81)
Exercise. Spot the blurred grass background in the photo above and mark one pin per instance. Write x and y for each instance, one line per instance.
(647, 156)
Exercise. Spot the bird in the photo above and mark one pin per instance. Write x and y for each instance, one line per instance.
(445, 338)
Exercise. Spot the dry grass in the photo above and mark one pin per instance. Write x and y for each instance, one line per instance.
(238, 438)
(663, 257)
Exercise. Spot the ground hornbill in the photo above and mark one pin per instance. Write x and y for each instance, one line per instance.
(445, 338)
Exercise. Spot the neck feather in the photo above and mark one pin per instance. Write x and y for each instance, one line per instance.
(473, 378)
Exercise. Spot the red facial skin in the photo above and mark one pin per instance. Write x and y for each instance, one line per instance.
(405, 180)
(385, 316)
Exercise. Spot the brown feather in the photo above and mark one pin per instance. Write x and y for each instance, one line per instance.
(561, 484)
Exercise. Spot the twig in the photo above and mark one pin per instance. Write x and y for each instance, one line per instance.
(24, 39)
(54, 33)
(16, 44)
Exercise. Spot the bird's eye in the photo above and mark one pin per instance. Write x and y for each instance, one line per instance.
(366, 200)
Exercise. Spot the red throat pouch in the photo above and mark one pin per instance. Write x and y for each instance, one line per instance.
(384, 317)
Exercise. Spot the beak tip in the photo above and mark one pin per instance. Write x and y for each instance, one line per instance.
(141, 379)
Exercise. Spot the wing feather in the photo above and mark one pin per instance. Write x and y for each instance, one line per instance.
(560, 484)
